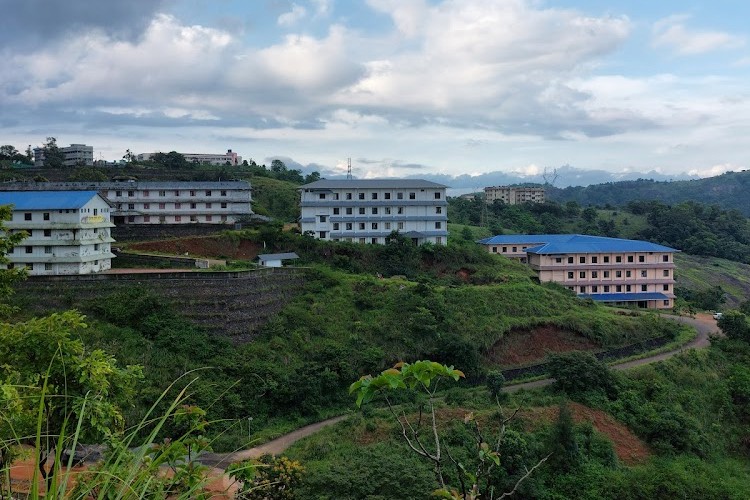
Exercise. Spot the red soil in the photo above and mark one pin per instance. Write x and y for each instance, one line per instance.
(206, 246)
(523, 347)
(629, 448)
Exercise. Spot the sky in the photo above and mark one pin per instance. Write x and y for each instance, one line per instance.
(401, 87)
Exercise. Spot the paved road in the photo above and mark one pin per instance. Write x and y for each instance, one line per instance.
(703, 323)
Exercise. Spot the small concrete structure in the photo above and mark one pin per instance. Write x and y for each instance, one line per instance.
(274, 259)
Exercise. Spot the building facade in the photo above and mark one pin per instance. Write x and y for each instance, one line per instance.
(514, 195)
(229, 157)
(611, 270)
(164, 202)
(73, 155)
(68, 231)
(368, 210)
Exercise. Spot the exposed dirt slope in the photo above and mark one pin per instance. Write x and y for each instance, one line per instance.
(206, 246)
(522, 347)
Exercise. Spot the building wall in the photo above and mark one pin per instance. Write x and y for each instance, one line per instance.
(69, 241)
(75, 154)
(514, 195)
(214, 159)
(367, 215)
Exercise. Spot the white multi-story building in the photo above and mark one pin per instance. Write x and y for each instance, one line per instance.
(368, 210)
(514, 195)
(164, 202)
(214, 159)
(68, 231)
(73, 155)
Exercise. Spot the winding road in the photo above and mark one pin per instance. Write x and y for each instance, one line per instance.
(703, 323)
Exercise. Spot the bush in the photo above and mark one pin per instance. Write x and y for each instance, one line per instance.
(579, 373)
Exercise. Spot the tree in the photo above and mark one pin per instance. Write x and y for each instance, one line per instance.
(422, 378)
(312, 177)
(8, 277)
(735, 325)
(129, 157)
(577, 373)
(7, 152)
(589, 214)
(172, 160)
(53, 157)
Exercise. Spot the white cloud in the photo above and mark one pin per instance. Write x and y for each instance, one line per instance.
(322, 7)
(672, 33)
(715, 170)
(292, 17)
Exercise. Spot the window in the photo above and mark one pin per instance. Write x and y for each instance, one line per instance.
(146, 218)
(438, 210)
(336, 211)
(582, 274)
(145, 193)
(630, 258)
(162, 193)
(361, 196)
(387, 210)
(558, 260)
(494, 249)
(644, 273)
(27, 216)
(48, 233)
(412, 196)
(362, 240)
(399, 196)
(665, 288)
(349, 211)
(177, 206)
(11, 265)
(641, 258)
(628, 274)
(193, 206)
(322, 235)
(47, 266)
(45, 216)
(348, 226)
(29, 249)
(666, 273)
(583, 289)
(387, 196)
(388, 226)
(606, 288)
(618, 274)
(131, 206)
(335, 197)
(118, 193)
(374, 196)
(162, 219)
(437, 195)
(131, 218)
(49, 249)
(606, 259)
(208, 193)
(322, 196)
(582, 260)
(594, 289)
(119, 206)
(361, 210)
(515, 249)
(176, 192)
(96, 211)
(438, 240)
(193, 218)
(223, 218)
(374, 225)
(644, 288)
(570, 260)
(606, 274)
(628, 288)
(594, 274)
(666, 302)
(209, 218)
(30, 266)
(400, 225)
(361, 226)
(400, 210)
(438, 225)
(618, 288)
(505, 249)
(594, 259)
(618, 258)
(570, 275)
(374, 241)
(223, 193)
(348, 196)
(96, 247)
(146, 206)
(322, 218)
(665, 258)
(162, 206)
(131, 194)
(209, 205)
(335, 226)
(223, 204)
(178, 218)
(374, 210)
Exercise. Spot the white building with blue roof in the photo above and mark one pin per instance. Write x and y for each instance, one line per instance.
(611, 270)
(68, 231)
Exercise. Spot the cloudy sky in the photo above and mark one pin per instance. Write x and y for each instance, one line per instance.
(400, 86)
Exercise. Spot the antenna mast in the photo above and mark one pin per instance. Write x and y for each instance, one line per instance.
(349, 169)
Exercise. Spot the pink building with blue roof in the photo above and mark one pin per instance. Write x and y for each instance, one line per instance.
(610, 270)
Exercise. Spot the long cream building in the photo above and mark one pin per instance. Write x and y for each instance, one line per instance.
(514, 195)
(611, 270)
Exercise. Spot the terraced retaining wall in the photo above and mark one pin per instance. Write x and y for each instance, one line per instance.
(233, 304)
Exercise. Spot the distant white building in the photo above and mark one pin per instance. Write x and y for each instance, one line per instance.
(514, 195)
(135, 202)
(68, 231)
(214, 159)
(276, 259)
(368, 210)
(73, 155)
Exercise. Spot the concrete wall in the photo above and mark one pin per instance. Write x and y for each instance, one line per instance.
(157, 231)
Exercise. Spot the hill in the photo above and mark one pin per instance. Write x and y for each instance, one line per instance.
(729, 191)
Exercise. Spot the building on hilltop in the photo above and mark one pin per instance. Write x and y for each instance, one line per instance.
(136, 202)
(73, 155)
(514, 195)
(68, 231)
(611, 270)
(229, 157)
(368, 210)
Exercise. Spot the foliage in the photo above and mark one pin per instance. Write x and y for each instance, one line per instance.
(53, 157)
(267, 477)
(578, 373)
(172, 160)
(8, 277)
(735, 325)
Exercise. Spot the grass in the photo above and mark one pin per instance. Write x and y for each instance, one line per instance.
(698, 273)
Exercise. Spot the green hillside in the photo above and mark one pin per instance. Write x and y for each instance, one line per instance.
(699, 274)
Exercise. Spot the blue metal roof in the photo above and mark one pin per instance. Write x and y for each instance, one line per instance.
(574, 243)
(46, 200)
(623, 297)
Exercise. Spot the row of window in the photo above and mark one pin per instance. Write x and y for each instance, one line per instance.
(374, 196)
(349, 226)
(146, 193)
(30, 265)
(618, 274)
(177, 206)
(47, 233)
(29, 216)
(374, 241)
(617, 288)
(605, 259)
(373, 211)
(47, 249)
(178, 218)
